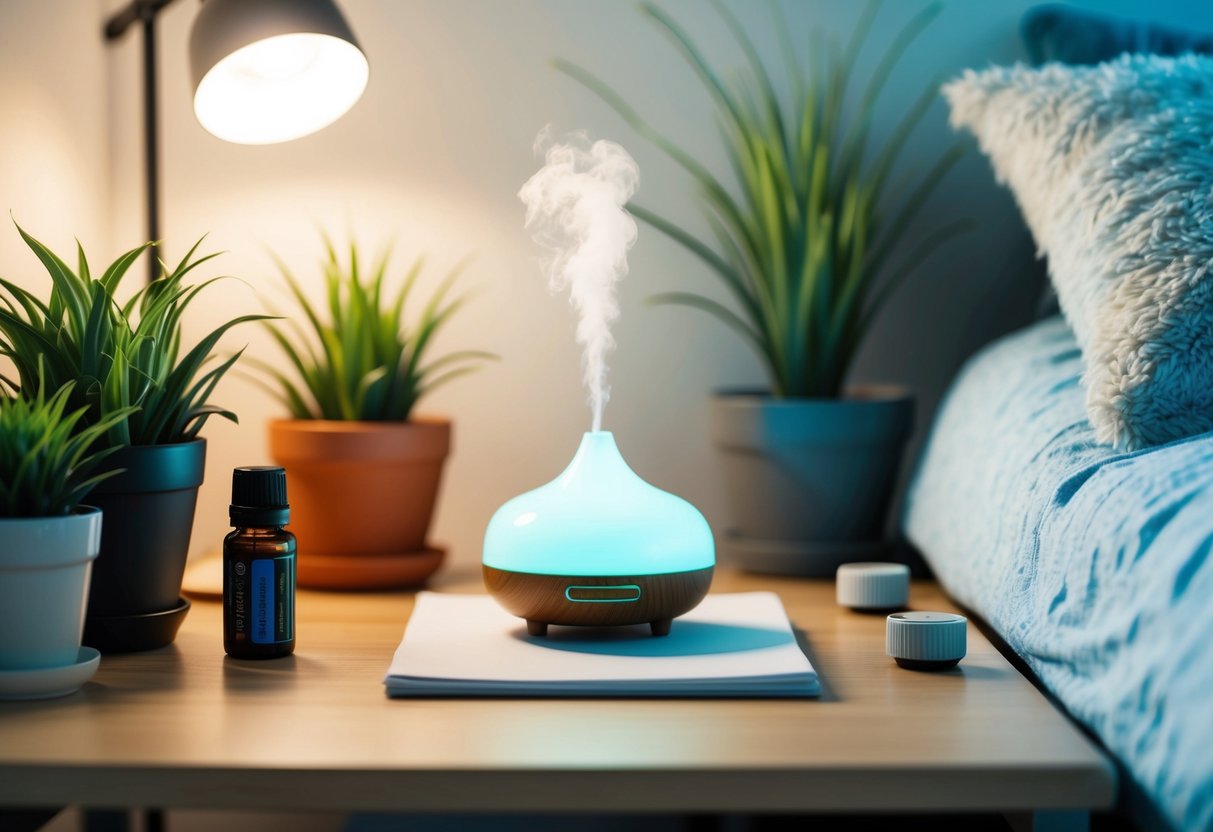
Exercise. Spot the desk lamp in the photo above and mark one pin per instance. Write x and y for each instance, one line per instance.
(268, 71)
(263, 71)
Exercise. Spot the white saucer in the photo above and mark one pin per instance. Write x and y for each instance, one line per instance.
(49, 682)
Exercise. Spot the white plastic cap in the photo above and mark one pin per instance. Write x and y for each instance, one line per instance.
(873, 586)
(926, 636)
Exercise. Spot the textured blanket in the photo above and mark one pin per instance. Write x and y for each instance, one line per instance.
(1093, 565)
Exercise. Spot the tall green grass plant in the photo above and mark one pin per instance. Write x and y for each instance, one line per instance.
(355, 356)
(122, 358)
(805, 242)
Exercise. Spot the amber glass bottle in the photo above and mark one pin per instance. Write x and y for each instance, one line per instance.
(259, 568)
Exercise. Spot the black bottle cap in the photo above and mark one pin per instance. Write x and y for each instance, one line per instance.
(259, 496)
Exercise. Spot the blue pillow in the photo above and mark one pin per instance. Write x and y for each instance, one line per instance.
(1054, 32)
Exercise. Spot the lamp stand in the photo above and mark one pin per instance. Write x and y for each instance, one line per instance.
(145, 11)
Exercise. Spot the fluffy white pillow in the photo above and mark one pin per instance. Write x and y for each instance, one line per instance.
(1112, 166)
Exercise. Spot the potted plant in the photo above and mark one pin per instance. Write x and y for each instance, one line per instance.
(123, 355)
(49, 540)
(803, 247)
(362, 469)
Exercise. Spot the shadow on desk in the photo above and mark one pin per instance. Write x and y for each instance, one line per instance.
(828, 694)
(689, 638)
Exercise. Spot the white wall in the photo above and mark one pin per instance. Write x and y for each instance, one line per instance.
(433, 156)
(54, 163)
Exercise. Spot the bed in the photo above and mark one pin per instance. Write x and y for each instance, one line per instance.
(1094, 566)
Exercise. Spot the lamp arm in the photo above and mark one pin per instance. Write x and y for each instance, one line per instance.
(132, 12)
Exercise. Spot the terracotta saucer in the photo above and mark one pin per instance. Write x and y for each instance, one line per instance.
(368, 571)
(204, 578)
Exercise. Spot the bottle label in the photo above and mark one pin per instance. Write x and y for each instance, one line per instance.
(271, 600)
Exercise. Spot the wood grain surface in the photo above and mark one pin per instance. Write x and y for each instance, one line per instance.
(184, 726)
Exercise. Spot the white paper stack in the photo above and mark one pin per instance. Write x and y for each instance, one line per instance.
(731, 645)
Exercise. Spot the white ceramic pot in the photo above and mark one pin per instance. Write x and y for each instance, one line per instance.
(45, 566)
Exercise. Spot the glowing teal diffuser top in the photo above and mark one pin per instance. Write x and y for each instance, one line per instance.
(598, 518)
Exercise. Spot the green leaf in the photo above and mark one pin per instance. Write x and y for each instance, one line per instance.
(47, 461)
(726, 272)
(912, 205)
(359, 358)
(919, 255)
(456, 358)
(114, 274)
(722, 313)
(68, 288)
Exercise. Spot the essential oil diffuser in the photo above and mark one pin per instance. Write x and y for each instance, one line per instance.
(598, 546)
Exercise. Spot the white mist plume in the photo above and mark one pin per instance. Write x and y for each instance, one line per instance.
(575, 209)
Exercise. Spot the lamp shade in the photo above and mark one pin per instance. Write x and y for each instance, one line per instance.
(268, 71)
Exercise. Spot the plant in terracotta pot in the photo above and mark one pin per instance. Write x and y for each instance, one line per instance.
(363, 469)
(123, 355)
(804, 245)
(50, 540)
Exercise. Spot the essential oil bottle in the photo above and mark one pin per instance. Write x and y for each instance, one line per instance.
(259, 567)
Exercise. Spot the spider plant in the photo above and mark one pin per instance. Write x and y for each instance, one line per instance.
(805, 251)
(118, 355)
(46, 467)
(358, 359)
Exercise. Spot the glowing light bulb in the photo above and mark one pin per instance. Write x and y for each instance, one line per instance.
(281, 88)
(276, 59)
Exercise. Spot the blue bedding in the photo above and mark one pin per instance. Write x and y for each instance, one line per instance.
(1094, 566)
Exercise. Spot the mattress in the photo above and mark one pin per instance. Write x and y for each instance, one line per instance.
(1093, 565)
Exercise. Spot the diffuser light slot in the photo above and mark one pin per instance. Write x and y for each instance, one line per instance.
(621, 594)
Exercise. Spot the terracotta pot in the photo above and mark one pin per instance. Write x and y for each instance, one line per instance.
(362, 497)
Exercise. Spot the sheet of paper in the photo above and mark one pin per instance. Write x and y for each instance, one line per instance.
(738, 644)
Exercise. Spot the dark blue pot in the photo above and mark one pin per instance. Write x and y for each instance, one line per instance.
(147, 515)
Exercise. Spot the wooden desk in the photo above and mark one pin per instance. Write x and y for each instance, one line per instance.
(185, 727)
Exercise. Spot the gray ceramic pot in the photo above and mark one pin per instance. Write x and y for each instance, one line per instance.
(809, 480)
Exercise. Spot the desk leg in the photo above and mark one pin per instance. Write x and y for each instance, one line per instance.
(121, 820)
(106, 820)
(717, 823)
(26, 820)
(1076, 820)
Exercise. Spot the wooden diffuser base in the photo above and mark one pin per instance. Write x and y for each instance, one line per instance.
(609, 601)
